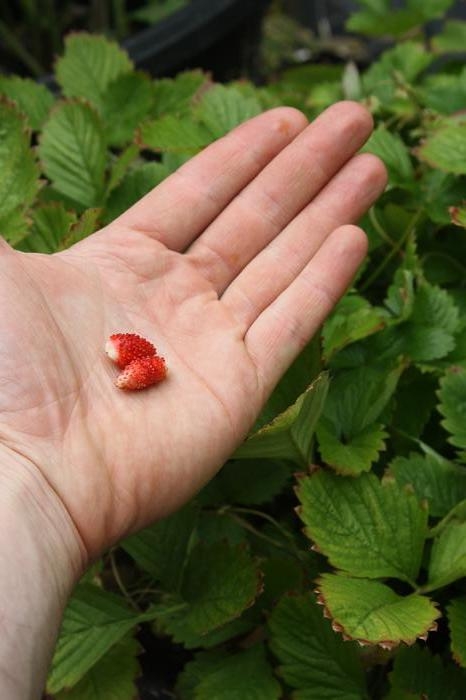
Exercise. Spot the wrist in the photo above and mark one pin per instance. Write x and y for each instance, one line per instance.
(41, 558)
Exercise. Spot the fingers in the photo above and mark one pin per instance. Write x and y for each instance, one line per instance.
(286, 326)
(181, 207)
(349, 194)
(279, 192)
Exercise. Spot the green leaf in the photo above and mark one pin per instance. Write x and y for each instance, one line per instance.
(51, 224)
(448, 556)
(249, 482)
(452, 37)
(94, 621)
(357, 397)
(456, 515)
(219, 583)
(452, 395)
(174, 135)
(424, 344)
(391, 149)
(443, 92)
(431, 9)
(133, 187)
(111, 678)
(282, 574)
(349, 435)
(221, 108)
(289, 435)
(441, 191)
(175, 95)
(350, 455)
(298, 79)
(437, 480)
(379, 18)
(14, 227)
(195, 670)
(400, 296)
(370, 612)
(365, 527)
(217, 526)
(162, 548)
(418, 671)
(33, 99)
(294, 382)
(313, 659)
(215, 674)
(125, 103)
(239, 627)
(353, 319)
(73, 152)
(90, 63)
(406, 60)
(426, 335)
(322, 95)
(246, 675)
(434, 306)
(389, 22)
(87, 224)
(445, 148)
(19, 182)
(456, 612)
(121, 165)
(415, 400)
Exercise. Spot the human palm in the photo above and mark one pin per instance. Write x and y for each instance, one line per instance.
(228, 267)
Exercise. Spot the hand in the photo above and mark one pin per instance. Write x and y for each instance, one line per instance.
(229, 267)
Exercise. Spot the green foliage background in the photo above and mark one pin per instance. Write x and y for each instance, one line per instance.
(337, 599)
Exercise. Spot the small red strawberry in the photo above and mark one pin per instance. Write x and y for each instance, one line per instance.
(142, 372)
(123, 348)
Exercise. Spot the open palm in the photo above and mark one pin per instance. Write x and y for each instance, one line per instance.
(228, 267)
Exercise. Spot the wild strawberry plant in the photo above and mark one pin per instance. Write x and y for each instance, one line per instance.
(328, 557)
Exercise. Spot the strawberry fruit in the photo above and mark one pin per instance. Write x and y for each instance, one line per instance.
(123, 348)
(142, 372)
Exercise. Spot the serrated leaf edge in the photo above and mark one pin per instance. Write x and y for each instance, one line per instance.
(385, 644)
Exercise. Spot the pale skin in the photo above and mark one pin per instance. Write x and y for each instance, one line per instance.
(229, 267)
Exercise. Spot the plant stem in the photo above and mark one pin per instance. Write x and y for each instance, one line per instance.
(268, 518)
(379, 228)
(409, 230)
(174, 609)
(21, 53)
(294, 551)
(275, 543)
(120, 18)
(120, 584)
(53, 25)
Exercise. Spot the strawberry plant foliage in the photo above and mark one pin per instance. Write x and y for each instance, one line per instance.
(112, 676)
(386, 525)
(457, 625)
(372, 413)
(313, 659)
(372, 613)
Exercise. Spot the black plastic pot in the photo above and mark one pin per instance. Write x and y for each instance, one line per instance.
(221, 36)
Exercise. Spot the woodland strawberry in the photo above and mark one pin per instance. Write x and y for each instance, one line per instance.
(142, 372)
(123, 348)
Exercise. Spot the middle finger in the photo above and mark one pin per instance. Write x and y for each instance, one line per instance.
(283, 188)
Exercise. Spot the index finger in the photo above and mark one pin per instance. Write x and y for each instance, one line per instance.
(183, 205)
